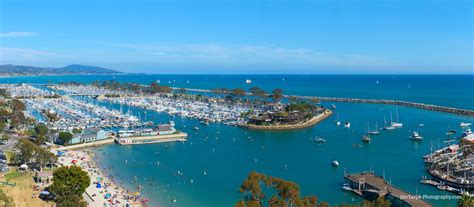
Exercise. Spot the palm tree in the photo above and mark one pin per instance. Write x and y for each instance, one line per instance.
(466, 201)
(277, 95)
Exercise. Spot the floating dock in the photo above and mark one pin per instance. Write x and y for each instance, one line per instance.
(177, 137)
(371, 186)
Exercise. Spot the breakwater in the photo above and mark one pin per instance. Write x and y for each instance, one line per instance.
(430, 107)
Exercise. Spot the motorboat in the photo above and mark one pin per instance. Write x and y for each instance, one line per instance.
(335, 163)
(366, 139)
(346, 187)
(347, 125)
(320, 140)
(416, 136)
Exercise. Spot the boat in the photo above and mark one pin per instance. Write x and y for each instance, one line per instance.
(347, 125)
(320, 140)
(467, 135)
(416, 136)
(395, 124)
(248, 81)
(366, 139)
(196, 128)
(204, 122)
(450, 132)
(335, 163)
(373, 132)
(338, 123)
(346, 187)
(333, 106)
(465, 124)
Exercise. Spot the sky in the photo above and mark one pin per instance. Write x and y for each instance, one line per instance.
(246, 36)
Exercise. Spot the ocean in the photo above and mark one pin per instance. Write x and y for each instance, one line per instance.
(227, 154)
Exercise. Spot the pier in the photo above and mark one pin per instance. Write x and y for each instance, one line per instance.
(177, 137)
(371, 186)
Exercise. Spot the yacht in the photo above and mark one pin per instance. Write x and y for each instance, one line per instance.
(416, 136)
(248, 81)
(465, 124)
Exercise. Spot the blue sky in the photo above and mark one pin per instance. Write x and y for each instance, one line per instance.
(247, 36)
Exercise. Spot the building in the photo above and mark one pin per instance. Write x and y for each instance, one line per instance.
(164, 129)
(89, 135)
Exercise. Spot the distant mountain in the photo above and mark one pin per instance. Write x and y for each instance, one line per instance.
(75, 69)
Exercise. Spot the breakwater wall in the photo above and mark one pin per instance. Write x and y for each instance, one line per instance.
(430, 107)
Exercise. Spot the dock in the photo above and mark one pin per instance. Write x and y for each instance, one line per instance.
(177, 137)
(371, 186)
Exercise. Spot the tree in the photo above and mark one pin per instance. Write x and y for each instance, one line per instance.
(17, 119)
(238, 92)
(17, 105)
(285, 193)
(27, 150)
(466, 201)
(65, 137)
(277, 95)
(76, 131)
(44, 157)
(41, 131)
(69, 182)
(5, 137)
(2, 125)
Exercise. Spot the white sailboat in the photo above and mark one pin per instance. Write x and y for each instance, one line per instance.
(396, 124)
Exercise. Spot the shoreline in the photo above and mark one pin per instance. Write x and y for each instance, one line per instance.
(313, 121)
(117, 193)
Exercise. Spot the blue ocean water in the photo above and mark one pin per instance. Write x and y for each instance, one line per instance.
(445, 90)
(227, 154)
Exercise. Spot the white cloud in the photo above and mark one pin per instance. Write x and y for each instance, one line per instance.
(19, 55)
(18, 34)
(248, 54)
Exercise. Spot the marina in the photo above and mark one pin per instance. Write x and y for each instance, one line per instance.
(209, 126)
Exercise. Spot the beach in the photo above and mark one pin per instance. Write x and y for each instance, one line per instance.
(109, 193)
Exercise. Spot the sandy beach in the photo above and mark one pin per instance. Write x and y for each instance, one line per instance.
(108, 194)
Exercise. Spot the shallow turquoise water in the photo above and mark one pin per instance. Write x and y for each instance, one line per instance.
(227, 163)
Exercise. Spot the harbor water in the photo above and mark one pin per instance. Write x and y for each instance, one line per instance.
(208, 169)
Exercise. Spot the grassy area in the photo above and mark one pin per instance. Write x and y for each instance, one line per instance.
(22, 192)
(12, 175)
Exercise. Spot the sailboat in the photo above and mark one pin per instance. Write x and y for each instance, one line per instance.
(388, 127)
(373, 132)
(396, 124)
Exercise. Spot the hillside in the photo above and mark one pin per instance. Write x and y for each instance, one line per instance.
(10, 70)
